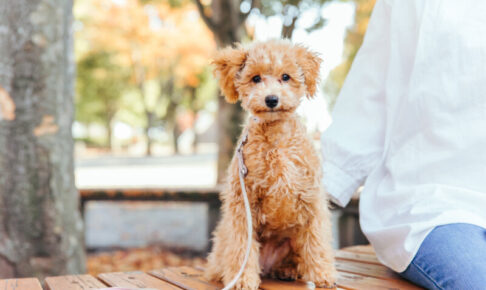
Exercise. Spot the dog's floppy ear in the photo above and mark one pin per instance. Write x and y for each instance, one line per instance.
(227, 63)
(310, 63)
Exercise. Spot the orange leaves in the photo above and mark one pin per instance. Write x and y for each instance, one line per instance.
(154, 38)
(144, 259)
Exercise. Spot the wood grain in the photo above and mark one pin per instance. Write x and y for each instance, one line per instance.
(20, 284)
(73, 282)
(186, 278)
(364, 249)
(135, 280)
(366, 269)
(360, 257)
(358, 268)
(268, 284)
(190, 279)
(358, 282)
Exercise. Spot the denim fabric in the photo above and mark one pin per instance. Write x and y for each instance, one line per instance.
(452, 256)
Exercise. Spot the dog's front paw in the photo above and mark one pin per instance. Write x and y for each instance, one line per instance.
(326, 284)
(246, 282)
(247, 285)
(325, 277)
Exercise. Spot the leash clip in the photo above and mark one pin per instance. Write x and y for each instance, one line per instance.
(239, 153)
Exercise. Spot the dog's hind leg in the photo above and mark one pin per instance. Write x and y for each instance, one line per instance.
(316, 256)
(213, 270)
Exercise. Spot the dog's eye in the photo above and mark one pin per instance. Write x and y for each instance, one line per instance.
(256, 79)
(285, 77)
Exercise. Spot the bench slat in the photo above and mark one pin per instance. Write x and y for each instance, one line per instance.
(190, 278)
(20, 284)
(364, 249)
(366, 269)
(135, 280)
(268, 284)
(358, 282)
(73, 282)
(186, 278)
(358, 257)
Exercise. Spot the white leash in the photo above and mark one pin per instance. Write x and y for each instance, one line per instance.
(242, 172)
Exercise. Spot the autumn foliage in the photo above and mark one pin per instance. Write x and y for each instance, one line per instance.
(164, 49)
(141, 259)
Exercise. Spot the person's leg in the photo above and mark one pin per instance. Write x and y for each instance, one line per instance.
(451, 257)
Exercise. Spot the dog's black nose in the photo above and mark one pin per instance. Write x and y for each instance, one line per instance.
(271, 101)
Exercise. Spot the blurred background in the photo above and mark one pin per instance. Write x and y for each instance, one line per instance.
(152, 135)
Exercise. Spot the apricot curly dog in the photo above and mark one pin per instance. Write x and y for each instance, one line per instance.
(290, 214)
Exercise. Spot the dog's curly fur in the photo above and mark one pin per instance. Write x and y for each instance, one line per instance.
(291, 218)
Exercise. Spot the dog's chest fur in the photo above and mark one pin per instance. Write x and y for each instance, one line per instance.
(281, 164)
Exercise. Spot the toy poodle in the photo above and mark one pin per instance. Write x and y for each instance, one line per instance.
(291, 220)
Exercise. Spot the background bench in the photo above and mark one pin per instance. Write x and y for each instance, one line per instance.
(348, 222)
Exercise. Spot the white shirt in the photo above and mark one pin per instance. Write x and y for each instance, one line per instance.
(410, 123)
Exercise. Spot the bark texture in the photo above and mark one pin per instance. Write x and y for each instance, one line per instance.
(40, 224)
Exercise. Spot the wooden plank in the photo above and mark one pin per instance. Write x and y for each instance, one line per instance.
(73, 282)
(20, 284)
(359, 257)
(268, 284)
(135, 280)
(186, 278)
(366, 269)
(190, 279)
(353, 281)
(364, 249)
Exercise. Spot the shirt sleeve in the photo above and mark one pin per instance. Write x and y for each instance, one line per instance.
(353, 144)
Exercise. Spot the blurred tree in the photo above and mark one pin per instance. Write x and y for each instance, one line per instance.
(158, 44)
(290, 11)
(99, 85)
(196, 99)
(354, 38)
(40, 224)
(227, 20)
(168, 85)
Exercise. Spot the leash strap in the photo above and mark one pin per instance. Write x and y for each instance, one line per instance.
(242, 172)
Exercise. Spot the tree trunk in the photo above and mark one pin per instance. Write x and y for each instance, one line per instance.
(109, 130)
(171, 116)
(287, 31)
(40, 225)
(175, 137)
(230, 118)
(109, 136)
(195, 108)
(227, 24)
(150, 124)
(195, 142)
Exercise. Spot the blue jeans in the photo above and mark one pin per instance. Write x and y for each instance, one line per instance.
(452, 256)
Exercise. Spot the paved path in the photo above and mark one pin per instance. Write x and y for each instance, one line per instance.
(131, 172)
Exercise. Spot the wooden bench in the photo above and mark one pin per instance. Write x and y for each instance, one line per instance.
(358, 269)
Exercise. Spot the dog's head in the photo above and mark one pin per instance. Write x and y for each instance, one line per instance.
(269, 78)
